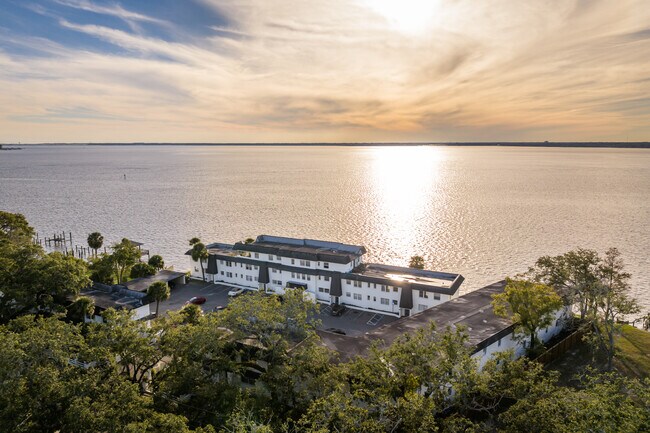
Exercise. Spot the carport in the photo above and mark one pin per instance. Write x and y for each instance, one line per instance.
(172, 278)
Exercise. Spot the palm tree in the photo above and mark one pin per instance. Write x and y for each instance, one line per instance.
(199, 254)
(95, 241)
(83, 306)
(417, 262)
(194, 241)
(158, 291)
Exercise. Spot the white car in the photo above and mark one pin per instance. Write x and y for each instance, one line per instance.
(235, 292)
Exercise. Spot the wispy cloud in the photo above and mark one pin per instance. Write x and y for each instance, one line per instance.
(329, 70)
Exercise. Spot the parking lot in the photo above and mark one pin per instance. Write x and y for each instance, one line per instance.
(351, 322)
(215, 295)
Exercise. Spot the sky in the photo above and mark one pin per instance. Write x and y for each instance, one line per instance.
(324, 70)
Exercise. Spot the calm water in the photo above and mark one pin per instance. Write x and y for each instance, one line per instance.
(485, 212)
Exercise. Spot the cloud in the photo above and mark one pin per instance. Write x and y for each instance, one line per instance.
(338, 70)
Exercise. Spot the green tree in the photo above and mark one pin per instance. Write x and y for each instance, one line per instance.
(158, 291)
(95, 241)
(200, 254)
(102, 269)
(140, 270)
(157, 262)
(194, 241)
(124, 255)
(191, 313)
(82, 307)
(14, 227)
(249, 241)
(612, 301)
(416, 262)
(531, 306)
(573, 274)
(134, 347)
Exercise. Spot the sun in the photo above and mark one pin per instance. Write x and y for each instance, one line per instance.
(408, 16)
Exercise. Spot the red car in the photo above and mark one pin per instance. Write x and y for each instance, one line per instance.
(197, 300)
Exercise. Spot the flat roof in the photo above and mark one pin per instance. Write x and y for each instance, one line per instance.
(142, 284)
(472, 310)
(306, 249)
(105, 300)
(416, 277)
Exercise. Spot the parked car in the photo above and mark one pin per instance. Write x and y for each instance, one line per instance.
(337, 309)
(218, 308)
(236, 292)
(197, 300)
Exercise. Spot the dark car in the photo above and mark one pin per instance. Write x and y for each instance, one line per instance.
(197, 300)
(337, 309)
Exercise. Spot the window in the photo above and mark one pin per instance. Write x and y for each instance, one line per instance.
(229, 274)
(293, 261)
(305, 263)
(348, 281)
(357, 296)
(249, 267)
(323, 290)
(257, 255)
(326, 277)
(436, 296)
(278, 282)
(275, 271)
(229, 264)
(256, 267)
(293, 275)
(423, 294)
(385, 289)
(347, 294)
(484, 350)
(395, 289)
(499, 343)
(357, 283)
(394, 301)
(221, 262)
(308, 278)
(255, 278)
(326, 265)
(271, 257)
(385, 301)
(278, 258)
(422, 307)
(249, 278)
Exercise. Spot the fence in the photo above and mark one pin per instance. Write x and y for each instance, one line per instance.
(561, 347)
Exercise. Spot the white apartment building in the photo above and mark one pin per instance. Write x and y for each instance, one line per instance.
(332, 273)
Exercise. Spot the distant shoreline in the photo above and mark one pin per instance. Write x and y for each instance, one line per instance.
(610, 145)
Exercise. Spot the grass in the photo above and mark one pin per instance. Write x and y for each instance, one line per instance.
(632, 357)
(633, 352)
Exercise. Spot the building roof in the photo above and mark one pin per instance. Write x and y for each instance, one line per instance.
(416, 279)
(142, 284)
(305, 249)
(473, 311)
(104, 300)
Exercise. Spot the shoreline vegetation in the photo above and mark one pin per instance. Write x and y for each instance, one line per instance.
(605, 145)
(258, 366)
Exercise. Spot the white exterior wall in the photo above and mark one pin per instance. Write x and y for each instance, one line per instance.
(519, 346)
(195, 270)
(370, 297)
(424, 301)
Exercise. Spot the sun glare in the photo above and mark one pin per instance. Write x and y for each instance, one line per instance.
(408, 16)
